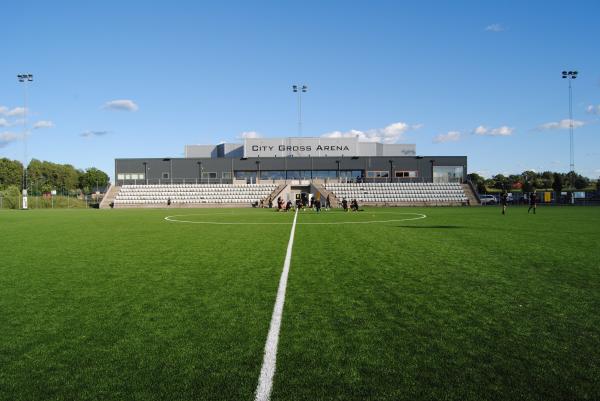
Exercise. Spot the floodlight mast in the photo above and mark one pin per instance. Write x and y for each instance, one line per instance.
(571, 75)
(25, 79)
(299, 89)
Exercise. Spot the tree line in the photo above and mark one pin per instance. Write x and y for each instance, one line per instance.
(44, 176)
(529, 181)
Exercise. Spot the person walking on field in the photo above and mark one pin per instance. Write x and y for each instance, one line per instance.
(532, 202)
(327, 203)
(504, 201)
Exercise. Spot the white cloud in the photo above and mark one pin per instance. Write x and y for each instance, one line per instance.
(43, 124)
(17, 111)
(481, 130)
(8, 137)
(3, 122)
(14, 112)
(500, 131)
(389, 134)
(451, 136)
(249, 134)
(562, 124)
(89, 134)
(495, 28)
(121, 105)
(593, 109)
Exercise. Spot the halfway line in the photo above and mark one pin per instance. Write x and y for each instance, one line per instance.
(267, 372)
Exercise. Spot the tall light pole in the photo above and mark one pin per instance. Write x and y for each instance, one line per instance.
(570, 75)
(419, 167)
(25, 79)
(432, 161)
(299, 89)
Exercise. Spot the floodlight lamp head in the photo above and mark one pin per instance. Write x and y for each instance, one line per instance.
(29, 77)
(564, 73)
(295, 88)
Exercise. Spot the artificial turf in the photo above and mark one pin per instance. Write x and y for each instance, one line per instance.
(465, 304)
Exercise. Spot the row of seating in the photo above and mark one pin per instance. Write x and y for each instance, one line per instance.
(172, 186)
(399, 192)
(192, 193)
(180, 201)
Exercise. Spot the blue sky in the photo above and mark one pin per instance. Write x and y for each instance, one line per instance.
(137, 79)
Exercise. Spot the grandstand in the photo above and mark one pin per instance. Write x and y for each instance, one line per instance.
(401, 193)
(376, 194)
(191, 194)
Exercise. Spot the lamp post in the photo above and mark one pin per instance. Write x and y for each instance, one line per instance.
(432, 161)
(419, 167)
(299, 89)
(570, 75)
(25, 79)
(391, 168)
(145, 172)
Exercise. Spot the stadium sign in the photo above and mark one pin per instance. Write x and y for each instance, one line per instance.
(300, 147)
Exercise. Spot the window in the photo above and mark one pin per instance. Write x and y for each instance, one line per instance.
(378, 174)
(165, 175)
(120, 176)
(406, 174)
(448, 173)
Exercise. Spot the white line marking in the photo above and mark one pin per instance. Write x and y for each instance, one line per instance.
(267, 372)
(175, 219)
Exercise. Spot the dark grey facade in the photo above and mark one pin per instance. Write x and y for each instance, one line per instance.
(224, 170)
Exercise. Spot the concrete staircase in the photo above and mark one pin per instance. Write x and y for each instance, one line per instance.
(273, 195)
(333, 200)
(109, 196)
(471, 195)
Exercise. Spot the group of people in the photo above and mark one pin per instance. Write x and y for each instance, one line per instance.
(302, 204)
(533, 200)
(353, 205)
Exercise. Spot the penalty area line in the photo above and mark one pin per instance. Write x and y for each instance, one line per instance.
(267, 372)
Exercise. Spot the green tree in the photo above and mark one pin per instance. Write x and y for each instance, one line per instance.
(527, 186)
(11, 197)
(478, 181)
(501, 181)
(11, 173)
(557, 185)
(581, 182)
(92, 178)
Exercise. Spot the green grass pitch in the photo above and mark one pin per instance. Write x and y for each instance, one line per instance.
(465, 304)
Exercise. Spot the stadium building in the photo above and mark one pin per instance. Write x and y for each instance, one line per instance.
(292, 165)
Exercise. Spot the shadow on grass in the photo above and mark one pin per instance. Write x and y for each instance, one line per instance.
(430, 227)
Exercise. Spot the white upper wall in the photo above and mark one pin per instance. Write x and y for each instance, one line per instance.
(300, 147)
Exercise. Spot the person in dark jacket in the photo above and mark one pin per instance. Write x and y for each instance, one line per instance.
(532, 202)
